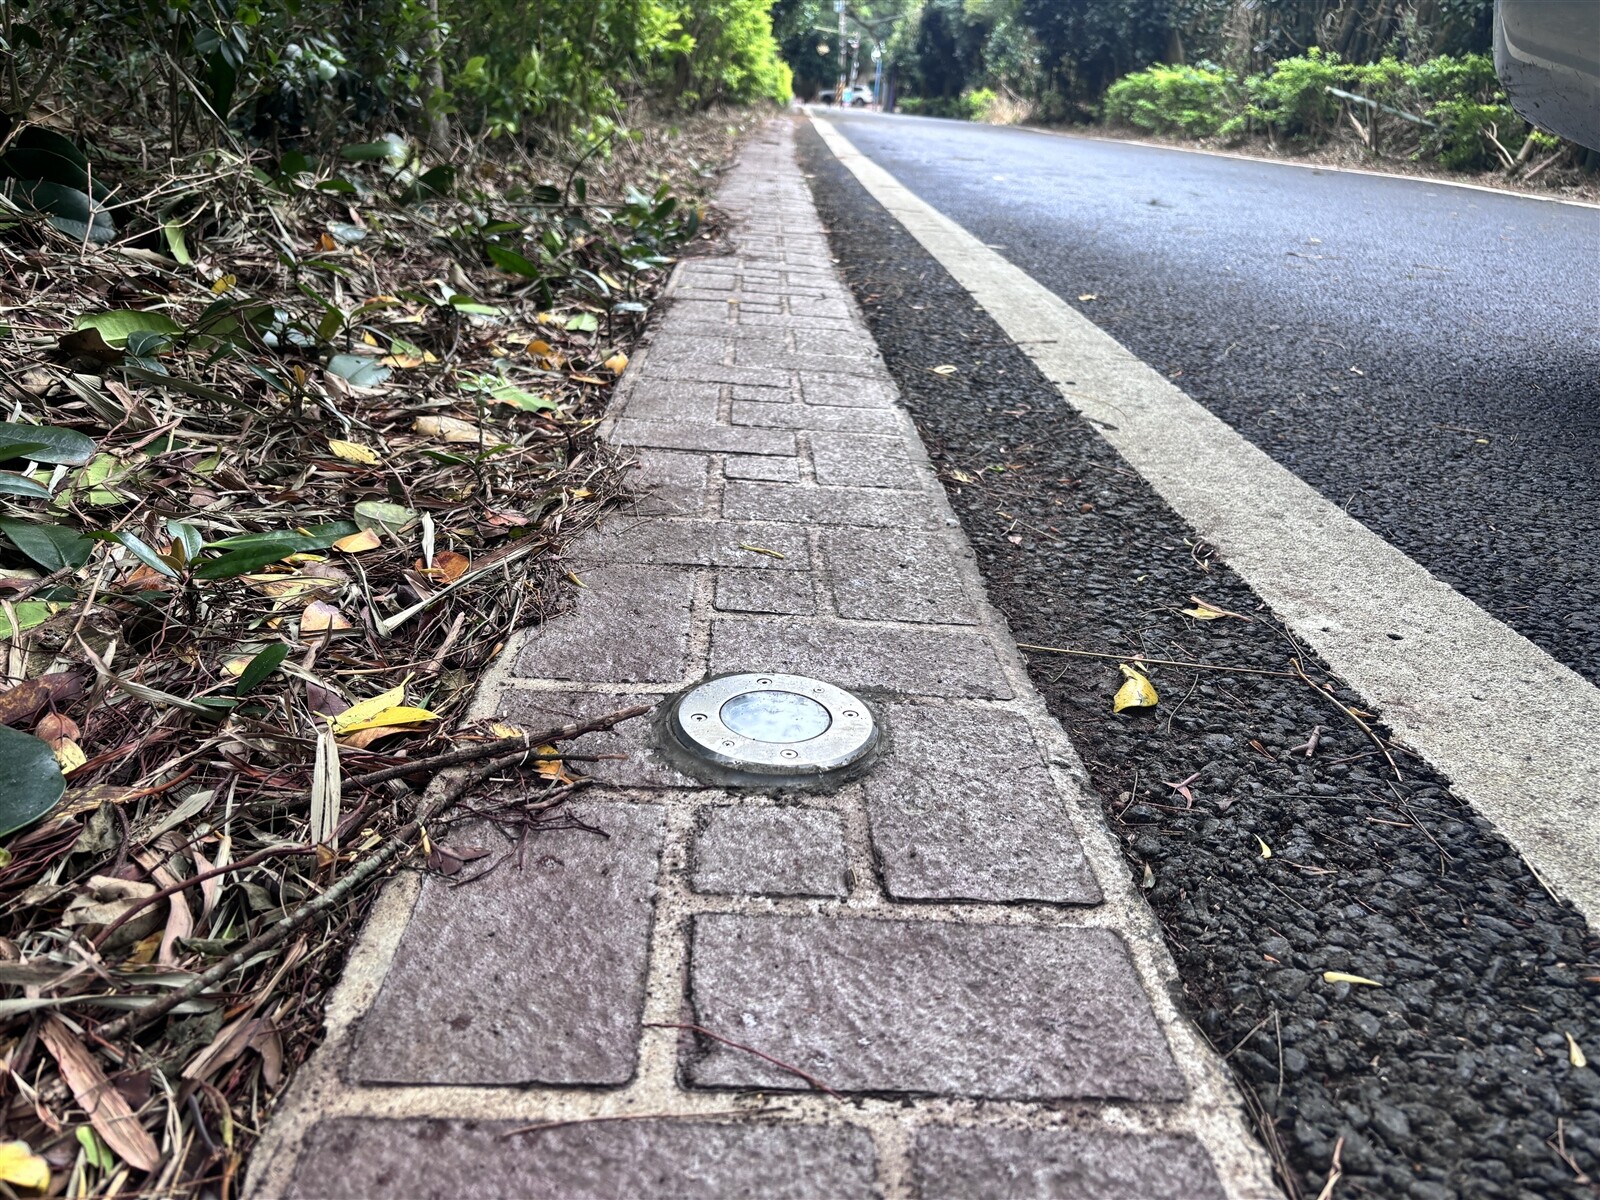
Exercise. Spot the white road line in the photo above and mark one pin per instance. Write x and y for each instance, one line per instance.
(1517, 733)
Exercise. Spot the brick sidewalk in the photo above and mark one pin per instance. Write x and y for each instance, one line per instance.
(951, 942)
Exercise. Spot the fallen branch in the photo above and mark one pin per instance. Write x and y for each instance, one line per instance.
(780, 1064)
(1347, 711)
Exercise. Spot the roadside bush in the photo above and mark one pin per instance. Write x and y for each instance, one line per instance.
(976, 103)
(1293, 98)
(1194, 101)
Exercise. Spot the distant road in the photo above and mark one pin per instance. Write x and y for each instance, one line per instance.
(1425, 356)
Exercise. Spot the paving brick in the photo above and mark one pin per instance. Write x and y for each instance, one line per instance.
(554, 995)
(882, 421)
(846, 391)
(923, 662)
(766, 468)
(697, 544)
(987, 824)
(689, 275)
(853, 460)
(788, 321)
(766, 395)
(858, 345)
(997, 1011)
(670, 483)
(1048, 1164)
(787, 851)
(716, 373)
(907, 576)
(765, 592)
(642, 765)
(877, 508)
(674, 401)
(683, 347)
(630, 624)
(765, 354)
(595, 1160)
(674, 436)
(802, 307)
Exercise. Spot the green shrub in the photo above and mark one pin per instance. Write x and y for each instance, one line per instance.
(976, 103)
(1293, 96)
(1194, 101)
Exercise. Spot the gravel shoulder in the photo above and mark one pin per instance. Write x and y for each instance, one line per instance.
(1455, 1078)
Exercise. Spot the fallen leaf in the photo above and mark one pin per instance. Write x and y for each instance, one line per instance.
(1575, 1054)
(21, 1167)
(501, 730)
(448, 566)
(1204, 610)
(354, 452)
(617, 363)
(447, 429)
(552, 769)
(358, 542)
(366, 709)
(945, 369)
(1136, 691)
(321, 617)
(108, 1111)
(768, 551)
(448, 860)
(1342, 977)
(382, 516)
(223, 283)
(1087, 296)
(19, 703)
(1266, 850)
(69, 755)
(399, 715)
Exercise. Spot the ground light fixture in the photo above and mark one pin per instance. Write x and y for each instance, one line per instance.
(770, 729)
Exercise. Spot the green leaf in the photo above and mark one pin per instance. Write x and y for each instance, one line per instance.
(49, 443)
(12, 484)
(142, 551)
(29, 613)
(95, 1152)
(248, 551)
(177, 243)
(511, 261)
(31, 783)
(51, 546)
(185, 537)
(583, 323)
(506, 392)
(259, 667)
(359, 370)
(467, 304)
(68, 209)
(114, 327)
(392, 149)
(380, 516)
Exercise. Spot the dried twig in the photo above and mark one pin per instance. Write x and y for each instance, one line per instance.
(779, 1063)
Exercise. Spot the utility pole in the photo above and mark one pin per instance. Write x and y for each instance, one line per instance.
(838, 94)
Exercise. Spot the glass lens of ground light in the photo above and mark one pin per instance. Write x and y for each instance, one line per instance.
(775, 717)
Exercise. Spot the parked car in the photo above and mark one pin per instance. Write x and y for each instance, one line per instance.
(1547, 54)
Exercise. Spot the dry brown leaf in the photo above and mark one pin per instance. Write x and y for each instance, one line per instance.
(321, 617)
(358, 542)
(617, 363)
(447, 429)
(108, 1112)
(448, 566)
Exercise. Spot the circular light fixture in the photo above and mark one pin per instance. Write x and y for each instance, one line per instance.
(770, 728)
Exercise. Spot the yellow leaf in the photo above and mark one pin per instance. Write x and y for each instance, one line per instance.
(1135, 692)
(400, 715)
(321, 617)
(540, 347)
(407, 362)
(236, 666)
(1575, 1054)
(502, 730)
(1204, 610)
(946, 369)
(354, 452)
(617, 363)
(367, 709)
(1341, 977)
(586, 378)
(70, 755)
(551, 768)
(366, 336)
(449, 429)
(364, 539)
(223, 284)
(1266, 850)
(22, 1167)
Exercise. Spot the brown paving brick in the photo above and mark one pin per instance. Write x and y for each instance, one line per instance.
(1059, 1164)
(778, 851)
(962, 808)
(630, 624)
(534, 976)
(903, 576)
(929, 661)
(925, 1007)
(605, 1160)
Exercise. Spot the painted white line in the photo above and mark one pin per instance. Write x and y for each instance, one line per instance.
(1314, 167)
(1517, 733)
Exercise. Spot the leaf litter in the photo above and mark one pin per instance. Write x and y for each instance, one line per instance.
(268, 507)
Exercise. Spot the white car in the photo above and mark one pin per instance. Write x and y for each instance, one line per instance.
(1547, 54)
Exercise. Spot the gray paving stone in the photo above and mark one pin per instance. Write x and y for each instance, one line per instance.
(901, 576)
(641, 766)
(671, 483)
(1059, 1164)
(683, 347)
(853, 460)
(846, 391)
(881, 421)
(922, 662)
(962, 808)
(764, 354)
(782, 851)
(534, 976)
(765, 592)
(630, 624)
(716, 373)
(596, 1160)
(878, 508)
(766, 468)
(674, 400)
(996, 1011)
(788, 321)
(802, 307)
(857, 345)
(698, 544)
(675, 436)
(766, 395)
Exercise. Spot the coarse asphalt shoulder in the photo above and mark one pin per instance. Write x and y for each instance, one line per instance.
(1446, 1081)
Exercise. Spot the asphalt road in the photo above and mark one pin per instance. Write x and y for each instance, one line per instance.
(1425, 356)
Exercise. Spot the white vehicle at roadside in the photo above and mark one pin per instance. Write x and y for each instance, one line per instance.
(1547, 54)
